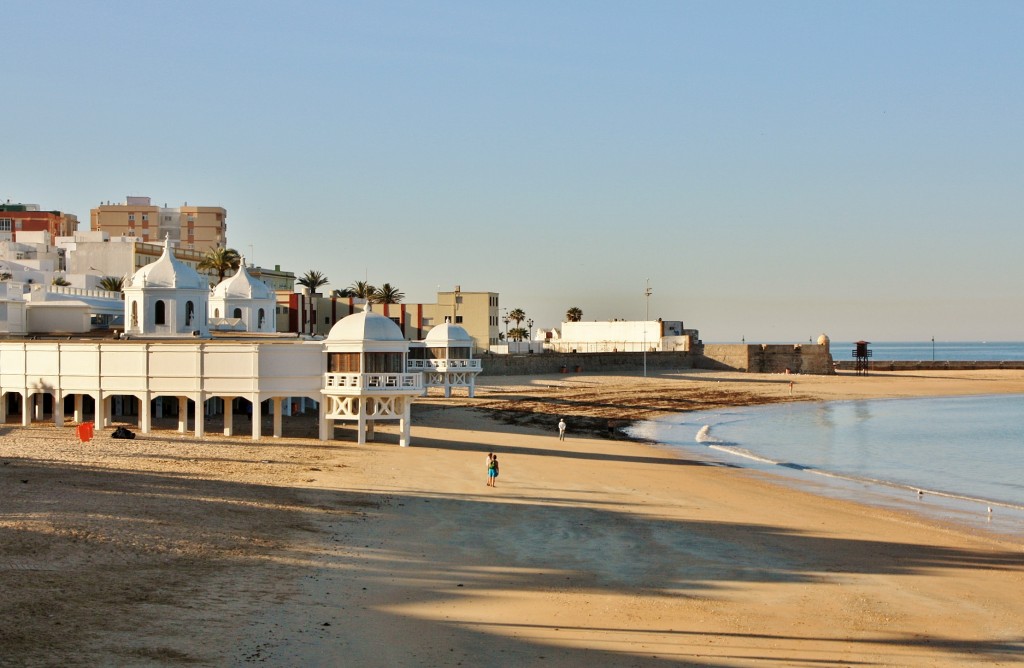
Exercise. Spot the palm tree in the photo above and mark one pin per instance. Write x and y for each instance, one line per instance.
(112, 283)
(518, 315)
(574, 314)
(362, 290)
(388, 294)
(343, 293)
(60, 281)
(518, 334)
(313, 279)
(222, 260)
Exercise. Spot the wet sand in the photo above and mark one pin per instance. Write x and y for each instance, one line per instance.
(593, 550)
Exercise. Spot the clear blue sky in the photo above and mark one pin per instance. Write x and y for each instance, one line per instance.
(776, 169)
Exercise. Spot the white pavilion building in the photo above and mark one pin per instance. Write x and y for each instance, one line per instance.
(446, 359)
(366, 377)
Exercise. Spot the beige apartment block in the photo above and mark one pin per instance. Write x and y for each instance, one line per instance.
(197, 228)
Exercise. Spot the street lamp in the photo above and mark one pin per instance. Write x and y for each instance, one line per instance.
(529, 332)
(506, 319)
(647, 296)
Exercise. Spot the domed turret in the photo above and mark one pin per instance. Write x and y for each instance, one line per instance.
(242, 302)
(168, 272)
(365, 326)
(167, 298)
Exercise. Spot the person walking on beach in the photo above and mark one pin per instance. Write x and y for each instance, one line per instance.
(492, 470)
(561, 429)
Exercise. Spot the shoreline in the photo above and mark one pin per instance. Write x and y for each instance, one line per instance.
(167, 550)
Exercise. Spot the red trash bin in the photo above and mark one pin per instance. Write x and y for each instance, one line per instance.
(85, 431)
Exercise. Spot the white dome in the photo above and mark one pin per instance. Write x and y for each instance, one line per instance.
(823, 340)
(169, 272)
(365, 326)
(242, 286)
(447, 332)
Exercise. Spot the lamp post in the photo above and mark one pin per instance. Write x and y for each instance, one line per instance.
(647, 316)
(506, 319)
(933, 348)
(529, 333)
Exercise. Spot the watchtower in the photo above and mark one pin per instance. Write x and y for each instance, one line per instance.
(861, 355)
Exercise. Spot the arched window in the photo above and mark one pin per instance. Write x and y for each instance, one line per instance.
(262, 319)
(159, 312)
(135, 314)
(216, 313)
(190, 311)
(238, 313)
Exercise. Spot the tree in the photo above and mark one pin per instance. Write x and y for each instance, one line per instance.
(574, 314)
(343, 293)
(362, 290)
(518, 334)
(61, 281)
(388, 294)
(112, 283)
(313, 279)
(221, 260)
(518, 315)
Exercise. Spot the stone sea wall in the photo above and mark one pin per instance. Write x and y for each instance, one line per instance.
(754, 358)
(767, 358)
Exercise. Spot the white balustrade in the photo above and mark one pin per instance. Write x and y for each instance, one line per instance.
(374, 381)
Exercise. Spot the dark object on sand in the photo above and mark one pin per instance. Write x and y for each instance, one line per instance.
(122, 432)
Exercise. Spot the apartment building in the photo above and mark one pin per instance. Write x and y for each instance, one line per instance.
(198, 228)
(15, 218)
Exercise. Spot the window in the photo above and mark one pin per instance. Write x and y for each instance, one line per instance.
(458, 320)
(190, 311)
(6, 224)
(216, 313)
(238, 313)
(131, 217)
(159, 313)
(145, 217)
(343, 362)
(262, 318)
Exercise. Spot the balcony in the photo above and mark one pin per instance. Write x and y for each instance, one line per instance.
(443, 365)
(371, 383)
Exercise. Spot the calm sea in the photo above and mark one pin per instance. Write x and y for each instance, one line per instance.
(965, 454)
(946, 351)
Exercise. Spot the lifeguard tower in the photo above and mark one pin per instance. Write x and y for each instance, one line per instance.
(367, 378)
(861, 357)
(446, 359)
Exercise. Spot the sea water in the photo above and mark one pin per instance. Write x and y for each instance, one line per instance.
(958, 457)
(942, 351)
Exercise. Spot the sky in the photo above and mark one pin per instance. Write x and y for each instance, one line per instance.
(772, 170)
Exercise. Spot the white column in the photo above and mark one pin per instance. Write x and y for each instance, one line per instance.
(79, 401)
(145, 417)
(277, 417)
(38, 404)
(182, 414)
(322, 419)
(405, 423)
(229, 416)
(257, 419)
(370, 435)
(200, 425)
(26, 409)
(107, 403)
(58, 410)
(3, 407)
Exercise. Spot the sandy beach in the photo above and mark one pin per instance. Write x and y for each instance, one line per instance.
(595, 550)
